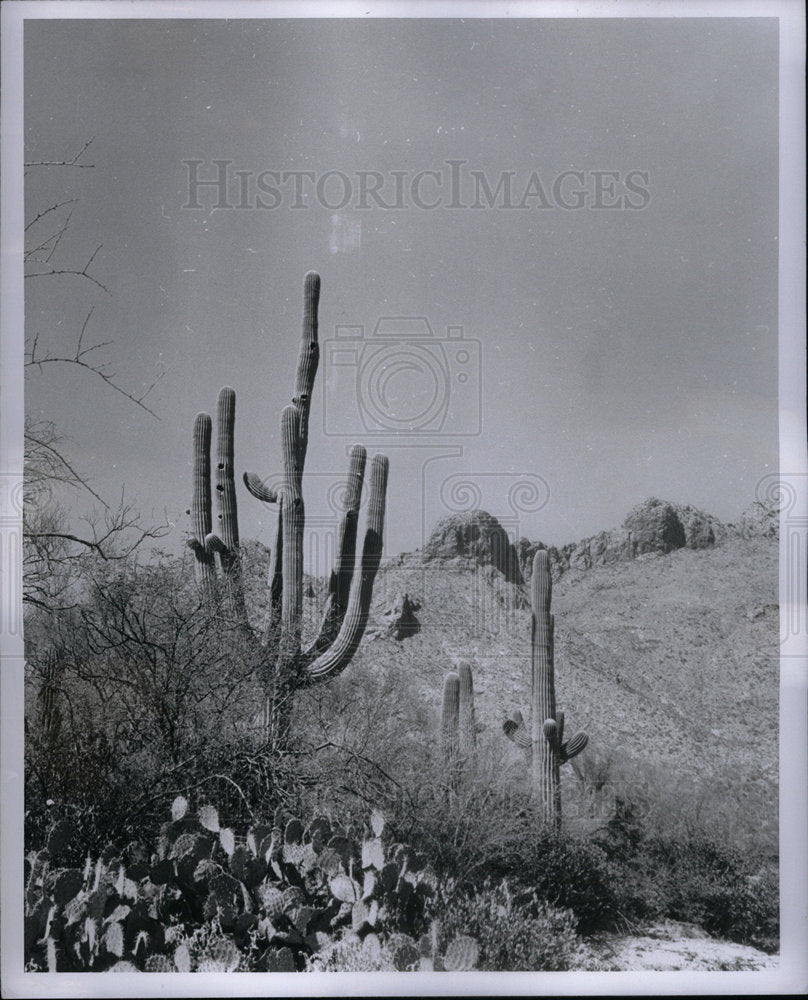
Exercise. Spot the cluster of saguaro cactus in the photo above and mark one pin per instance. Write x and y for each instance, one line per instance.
(289, 665)
(458, 722)
(544, 743)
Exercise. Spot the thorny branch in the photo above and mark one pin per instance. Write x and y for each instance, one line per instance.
(66, 163)
(79, 358)
(83, 273)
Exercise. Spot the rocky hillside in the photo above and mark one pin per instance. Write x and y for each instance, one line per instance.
(666, 639)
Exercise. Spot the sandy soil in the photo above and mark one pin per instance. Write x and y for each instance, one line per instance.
(673, 946)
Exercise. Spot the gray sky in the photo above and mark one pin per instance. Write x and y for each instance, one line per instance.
(622, 352)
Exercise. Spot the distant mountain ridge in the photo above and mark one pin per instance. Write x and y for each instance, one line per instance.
(652, 526)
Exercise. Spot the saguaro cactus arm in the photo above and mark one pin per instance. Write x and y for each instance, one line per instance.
(339, 588)
(275, 579)
(574, 745)
(307, 361)
(516, 731)
(293, 522)
(255, 486)
(334, 659)
(225, 541)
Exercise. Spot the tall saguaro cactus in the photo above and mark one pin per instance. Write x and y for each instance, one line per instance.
(289, 665)
(544, 743)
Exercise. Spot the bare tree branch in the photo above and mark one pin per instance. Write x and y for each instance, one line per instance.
(66, 163)
(47, 211)
(83, 273)
(79, 358)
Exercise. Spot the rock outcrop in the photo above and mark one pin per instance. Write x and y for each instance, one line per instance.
(701, 530)
(475, 535)
(397, 618)
(652, 526)
(760, 520)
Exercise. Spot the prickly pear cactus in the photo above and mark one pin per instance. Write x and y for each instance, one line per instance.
(211, 899)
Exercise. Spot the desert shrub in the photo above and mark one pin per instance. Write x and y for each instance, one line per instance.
(114, 793)
(685, 873)
(132, 697)
(465, 835)
(603, 780)
(575, 874)
(718, 887)
(482, 836)
(357, 739)
(524, 935)
(682, 851)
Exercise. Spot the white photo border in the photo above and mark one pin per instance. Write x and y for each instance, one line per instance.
(790, 483)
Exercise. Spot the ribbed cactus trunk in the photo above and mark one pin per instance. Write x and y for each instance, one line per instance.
(544, 763)
(467, 721)
(205, 565)
(292, 518)
(458, 724)
(226, 540)
(449, 734)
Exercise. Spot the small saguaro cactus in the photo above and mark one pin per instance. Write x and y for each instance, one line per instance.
(459, 726)
(544, 743)
(466, 718)
(450, 713)
(289, 665)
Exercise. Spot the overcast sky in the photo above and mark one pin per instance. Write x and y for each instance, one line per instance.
(611, 353)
